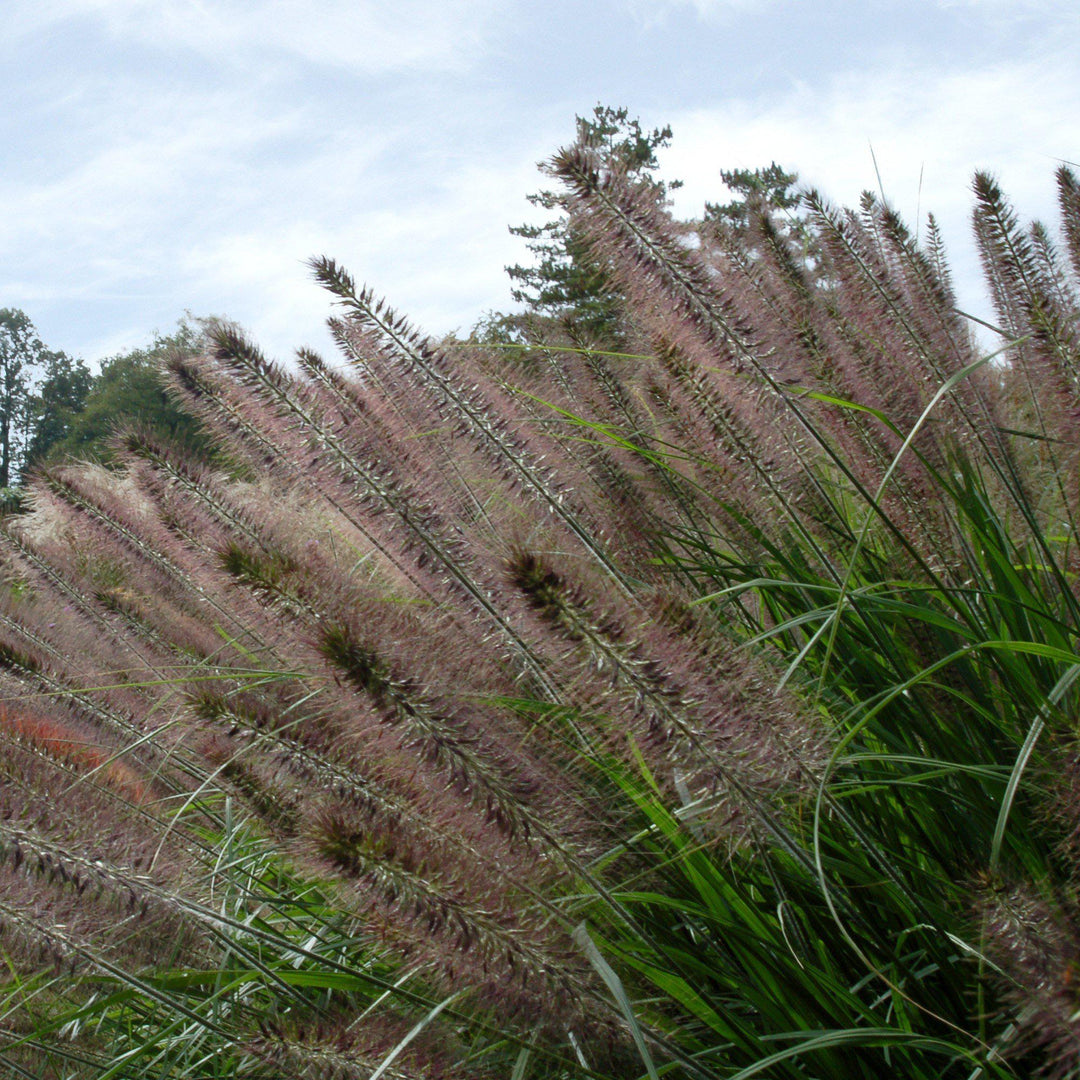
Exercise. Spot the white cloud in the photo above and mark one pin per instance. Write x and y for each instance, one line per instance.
(131, 193)
(178, 212)
(929, 130)
(439, 259)
(653, 12)
(1027, 7)
(142, 167)
(370, 36)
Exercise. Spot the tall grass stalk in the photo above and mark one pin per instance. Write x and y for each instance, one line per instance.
(706, 709)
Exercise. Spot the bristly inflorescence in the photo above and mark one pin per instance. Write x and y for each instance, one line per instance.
(358, 614)
(442, 611)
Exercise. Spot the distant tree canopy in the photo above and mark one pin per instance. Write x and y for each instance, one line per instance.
(128, 390)
(28, 373)
(59, 399)
(53, 407)
(772, 186)
(767, 208)
(565, 282)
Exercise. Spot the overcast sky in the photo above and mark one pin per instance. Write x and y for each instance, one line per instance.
(163, 155)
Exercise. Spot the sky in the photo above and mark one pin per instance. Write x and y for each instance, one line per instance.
(163, 156)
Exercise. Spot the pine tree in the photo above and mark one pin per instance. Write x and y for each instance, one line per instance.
(565, 281)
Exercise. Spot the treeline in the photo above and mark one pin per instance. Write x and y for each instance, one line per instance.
(54, 408)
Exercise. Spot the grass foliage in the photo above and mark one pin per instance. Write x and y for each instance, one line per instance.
(529, 709)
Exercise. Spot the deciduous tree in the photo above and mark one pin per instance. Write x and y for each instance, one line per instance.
(59, 399)
(129, 390)
(23, 355)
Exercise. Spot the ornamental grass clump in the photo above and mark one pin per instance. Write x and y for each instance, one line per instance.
(542, 709)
